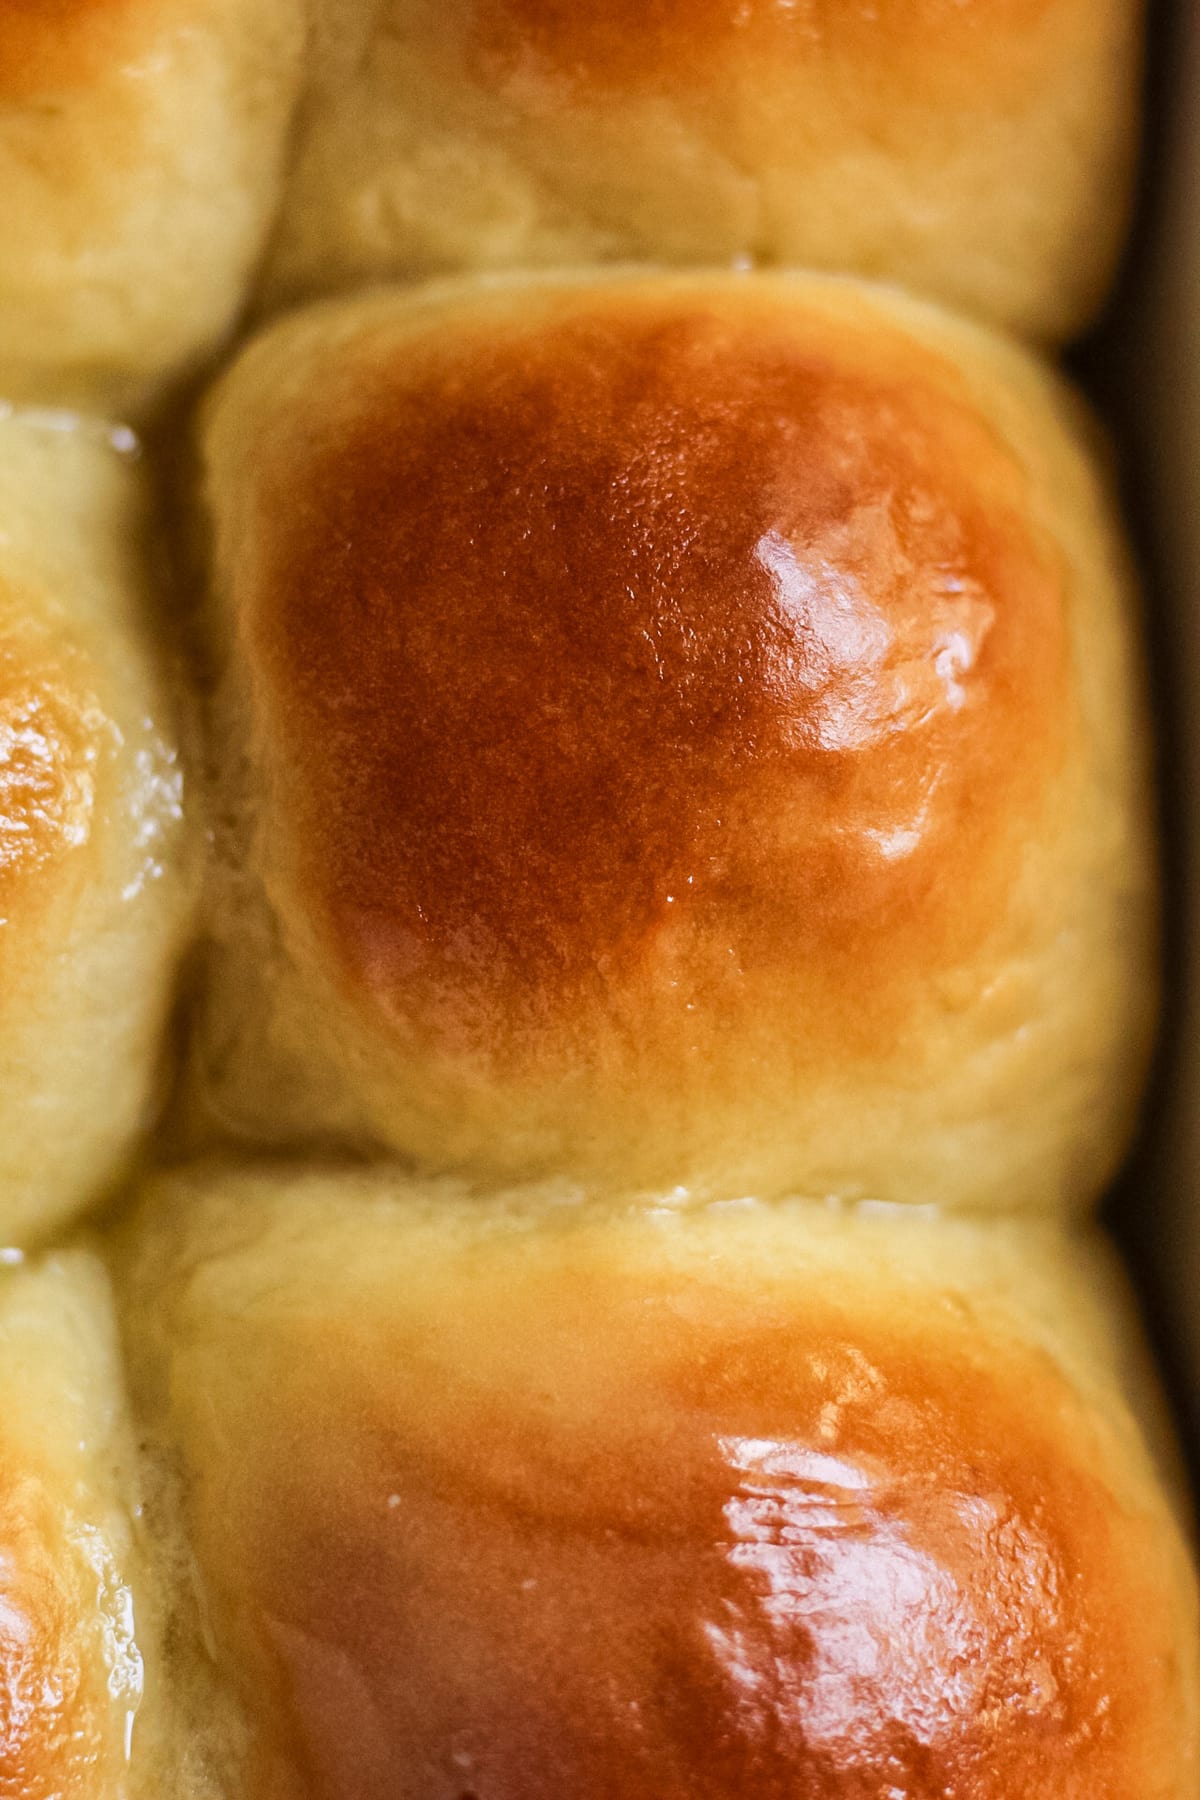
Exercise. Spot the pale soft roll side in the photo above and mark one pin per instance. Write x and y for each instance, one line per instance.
(141, 148)
(96, 887)
(675, 732)
(979, 153)
(538, 1499)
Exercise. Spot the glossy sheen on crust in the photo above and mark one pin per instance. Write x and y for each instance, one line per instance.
(56, 746)
(55, 1719)
(680, 731)
(95, 878)
(75, 1642)
(849, 1561)
(528, 1515)
(629, 666)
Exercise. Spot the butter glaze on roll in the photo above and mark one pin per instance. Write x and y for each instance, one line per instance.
(687, 734)
(95, 881)
(536, 1500)
(140, 152)
(80, 1679)
(976, 151)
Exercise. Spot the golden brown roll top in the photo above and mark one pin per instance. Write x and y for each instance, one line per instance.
(82, 1710)
(94, 886)
(67, 43)
(979, 153)
(536, 1499)
(687, 733)
(140, 151)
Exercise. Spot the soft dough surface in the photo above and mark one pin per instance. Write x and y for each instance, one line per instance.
(546, 1500)
(95, 893)
(677, 732)
(140, 152)
(978, 151)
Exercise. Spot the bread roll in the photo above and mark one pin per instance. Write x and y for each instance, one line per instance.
(140, 149)
(679, 733)
(979, 153)
(83, 1714)
(95, 890)
(537, 1499)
